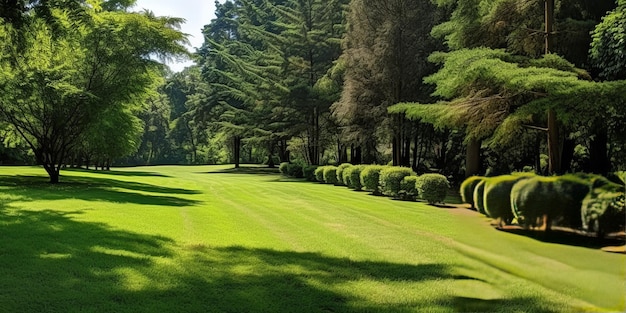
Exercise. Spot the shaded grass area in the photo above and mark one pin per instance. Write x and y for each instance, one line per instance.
(565, 237)
(92, 189)
(76, 266)
(258, 243)
(245, 169)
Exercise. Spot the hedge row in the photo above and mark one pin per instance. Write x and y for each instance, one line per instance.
(393, 181)
(579, 201)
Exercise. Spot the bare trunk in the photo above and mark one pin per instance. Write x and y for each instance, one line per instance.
(472, 160)
(554, 150)
(236, 150)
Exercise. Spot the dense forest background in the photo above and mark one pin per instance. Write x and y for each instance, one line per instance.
(452, 86)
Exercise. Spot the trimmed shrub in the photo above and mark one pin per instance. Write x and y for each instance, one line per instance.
(291, 170)
(282, 168)
(370, 176)
(432, 187)
(497, 197)
(352, 177)
(603, 208)
(308, 171)
(319, 174)
(340, 170)
(330, 174)
(467, 190)
(479, 192)
(408, 190)
(391, 177)
(558, 197)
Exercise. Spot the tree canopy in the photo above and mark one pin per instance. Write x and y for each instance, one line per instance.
(61, 83)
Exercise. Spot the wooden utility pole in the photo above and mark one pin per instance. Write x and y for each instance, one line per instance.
(554, 149)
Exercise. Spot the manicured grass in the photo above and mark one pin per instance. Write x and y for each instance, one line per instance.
(210, 239)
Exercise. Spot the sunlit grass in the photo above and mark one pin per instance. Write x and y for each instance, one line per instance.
(210, 239)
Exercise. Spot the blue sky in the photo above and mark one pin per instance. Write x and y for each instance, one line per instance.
(197, 13)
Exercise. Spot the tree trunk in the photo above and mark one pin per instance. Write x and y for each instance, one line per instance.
(357, 155)
(236, 150)
(538, 155)
(270, 155)
(472, 160)
(554, 147)
(554, 151)
(53, 172)
(406, 154)
(314, 154)
(342, 153)
(567, 155)
(599, 152)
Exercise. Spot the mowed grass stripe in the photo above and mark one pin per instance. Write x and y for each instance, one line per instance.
(197, 239)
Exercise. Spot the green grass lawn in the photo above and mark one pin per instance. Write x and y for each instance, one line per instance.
(208, 239)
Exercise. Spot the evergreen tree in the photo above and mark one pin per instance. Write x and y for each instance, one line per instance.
(385, 50)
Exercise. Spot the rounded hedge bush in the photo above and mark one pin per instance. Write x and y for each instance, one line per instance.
(391, 177)
(479, 192)
(308, 171)
(342, 167)
(282, 168)
(408, 190)
(291, 170)
(603, 208)
(319, 173)
(330, 174)
(432, 187)
(370, 176)
(558, 197)
(352, 177)
(467, 190)
(497, 197)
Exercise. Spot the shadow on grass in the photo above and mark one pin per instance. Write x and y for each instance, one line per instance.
(466, 304)
(92, 189)
(52, 262)
(565, 237)
(117, 172)
(251, 170)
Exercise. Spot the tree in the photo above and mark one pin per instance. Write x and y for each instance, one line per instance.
(58, 82)
(608, 48)
(497, 95)
(385, 50)
(262, 60)
(530, 28)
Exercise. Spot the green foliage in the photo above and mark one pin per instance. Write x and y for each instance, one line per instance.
(518, 25)
(604, 207)
(497, 197)
(608, 48)
(467, 189)
(390, 179)
(370, 177)
(493, 94)
(319, 173)
(330, 174)
(385, 47)
(408, 189)
(479, 196)
(309, 172)
(558, 197)
(291, 170)
(432, 187)
(69, 84)
(352, 176)
(340, 169)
